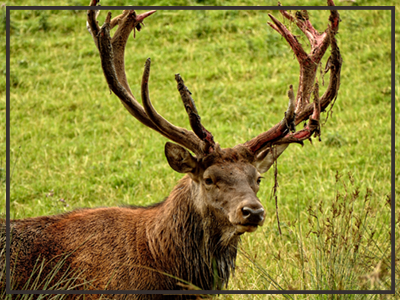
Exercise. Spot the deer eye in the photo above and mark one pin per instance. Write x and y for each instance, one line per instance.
(208, 181)
(259, 180)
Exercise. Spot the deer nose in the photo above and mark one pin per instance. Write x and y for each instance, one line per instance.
(253, 216)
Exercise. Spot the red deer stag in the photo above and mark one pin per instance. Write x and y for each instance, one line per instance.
(194, 233)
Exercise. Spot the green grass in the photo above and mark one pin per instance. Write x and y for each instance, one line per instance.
(74, 145)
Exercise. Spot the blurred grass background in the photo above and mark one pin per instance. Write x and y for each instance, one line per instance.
(74, 145)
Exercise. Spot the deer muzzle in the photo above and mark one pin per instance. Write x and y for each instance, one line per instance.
(253, 216)
(249, 216)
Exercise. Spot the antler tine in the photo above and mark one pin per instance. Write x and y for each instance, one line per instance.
(279, 135)
(112, 51)
(180, 135)
(127, 21)
(91, 22)
(302, 21)
(312, 126)
(114, 22)
(289, 37)
(194, 117)
(103, 41)
(333, 65)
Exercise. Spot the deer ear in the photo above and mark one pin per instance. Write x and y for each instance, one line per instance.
(266, 158)
(179, 158)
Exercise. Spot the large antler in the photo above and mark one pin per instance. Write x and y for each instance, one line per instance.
(112, 51)
(200, 141)
(270, 144)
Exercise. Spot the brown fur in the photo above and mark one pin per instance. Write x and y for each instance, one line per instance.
(187, 235)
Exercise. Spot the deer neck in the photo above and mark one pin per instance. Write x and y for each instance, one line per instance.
(198, 240)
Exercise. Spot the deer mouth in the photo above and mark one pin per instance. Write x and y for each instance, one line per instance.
(248, 227)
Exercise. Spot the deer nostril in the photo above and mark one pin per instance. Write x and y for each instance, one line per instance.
(246, 212)
(253, 215)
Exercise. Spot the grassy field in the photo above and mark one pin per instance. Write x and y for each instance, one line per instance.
(74, 145)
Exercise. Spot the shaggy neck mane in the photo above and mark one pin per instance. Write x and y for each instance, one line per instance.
(194, 246)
